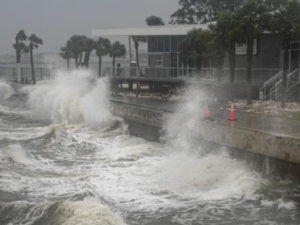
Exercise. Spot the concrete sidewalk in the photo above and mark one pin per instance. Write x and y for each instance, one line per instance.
(249, 120)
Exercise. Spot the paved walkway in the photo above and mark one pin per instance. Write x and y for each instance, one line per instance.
(257, 121)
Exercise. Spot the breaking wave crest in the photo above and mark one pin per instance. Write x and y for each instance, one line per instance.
(15, 153)
(73, 97)
(86, 212)
(5, 91)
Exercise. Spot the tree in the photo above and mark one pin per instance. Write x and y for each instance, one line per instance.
(286, 21)
(66, 53)
(154, 21)
(22, 49)
(251, 20)
(77, 47)
(202, 11)
(34, 43)
(88, 45)
(117, 50)
(219, 46)
(102, 47)
(194, 48)
(275, 4)
(137, 40)
(21, 36)
(225, 37)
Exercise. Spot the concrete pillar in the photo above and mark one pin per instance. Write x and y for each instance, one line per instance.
(137, 90)
(130, 86)
(151, 87)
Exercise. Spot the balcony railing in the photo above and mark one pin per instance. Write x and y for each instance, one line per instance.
(10, 73)
(259, 76)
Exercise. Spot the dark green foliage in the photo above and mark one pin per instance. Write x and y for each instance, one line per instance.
(66, 53)
(201, 11)
(225, 37)
(19, 46)
(117, 50)
(154, 21)
(194, 48)
(286, 21)
(137, 40)
(251, 20)
(102, 47)
(76, 48)
(88, 46)
(275, 4)
(35, 41)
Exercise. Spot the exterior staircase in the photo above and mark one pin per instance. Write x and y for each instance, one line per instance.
(272, 88)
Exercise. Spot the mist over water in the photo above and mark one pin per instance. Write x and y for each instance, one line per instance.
(65, 159)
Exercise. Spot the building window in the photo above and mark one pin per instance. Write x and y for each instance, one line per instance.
(167, 43)
(161, 44)
(154, 44)
(156, 60)
(149, 44)
(174, 43)
(295, 45)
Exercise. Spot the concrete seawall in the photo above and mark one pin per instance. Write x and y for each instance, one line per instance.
(282, 153)
(143, 122)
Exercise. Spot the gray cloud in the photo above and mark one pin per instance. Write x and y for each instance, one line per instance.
(56, 20)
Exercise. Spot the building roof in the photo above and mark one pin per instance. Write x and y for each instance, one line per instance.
(148, 31)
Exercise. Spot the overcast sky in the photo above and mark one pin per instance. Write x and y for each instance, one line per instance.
(56, 20)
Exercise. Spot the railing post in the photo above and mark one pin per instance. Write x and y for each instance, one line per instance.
(14, 73)
(41, 73)
(22, 73)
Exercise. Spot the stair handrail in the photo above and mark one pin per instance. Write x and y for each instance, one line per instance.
(278, 85)
(268, 82)
(104, 72)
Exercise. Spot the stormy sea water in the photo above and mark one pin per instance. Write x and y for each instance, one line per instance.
(65, 160)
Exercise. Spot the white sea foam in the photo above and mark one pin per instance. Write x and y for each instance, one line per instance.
(87, 212)
(210, 177)
(5, 91)
(73, 97)
(16, 154)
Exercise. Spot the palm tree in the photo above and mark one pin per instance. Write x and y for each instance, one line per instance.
(102, 47)
(137, 40)
(76, 43)
(22, 48)
(194, 48)
(66, 53)
(88, 45)
(34, 43)
(252, 19)
(21, 36)
(225, 38)
(117, 50)
(286, 21)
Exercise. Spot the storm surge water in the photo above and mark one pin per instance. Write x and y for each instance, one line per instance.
(65, 159)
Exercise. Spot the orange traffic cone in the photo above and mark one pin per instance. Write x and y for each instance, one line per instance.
(232, 115)
(207, 116)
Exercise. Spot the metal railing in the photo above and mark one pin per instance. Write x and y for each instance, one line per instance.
(169, 73)
(272, 81)
(10, 73)
(293, 80)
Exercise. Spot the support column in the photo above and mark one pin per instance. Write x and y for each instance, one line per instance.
(137, 89)
(129, 51)
(130, 86)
